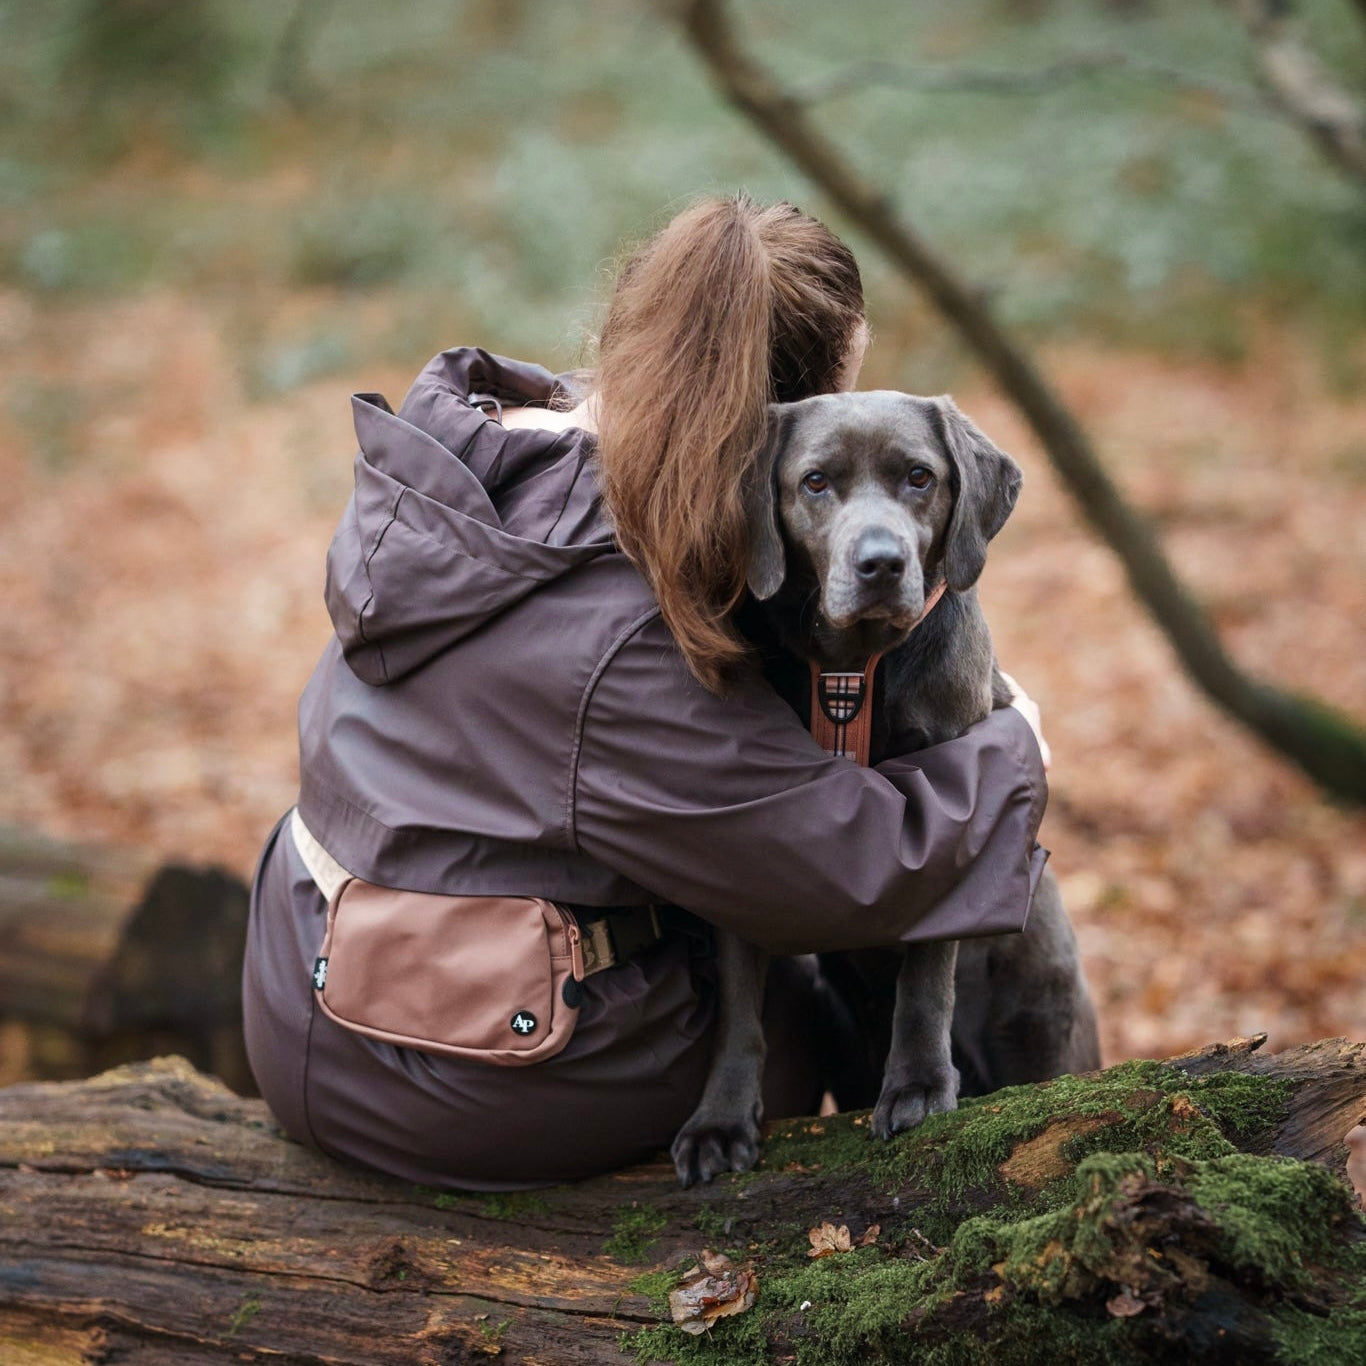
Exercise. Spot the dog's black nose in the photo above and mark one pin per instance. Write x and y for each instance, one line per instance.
(879, 557)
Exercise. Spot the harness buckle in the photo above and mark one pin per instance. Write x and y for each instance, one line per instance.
(841, 696)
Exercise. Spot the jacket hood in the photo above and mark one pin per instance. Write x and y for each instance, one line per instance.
(455, 518)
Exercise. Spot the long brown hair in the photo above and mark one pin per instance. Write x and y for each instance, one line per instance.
(733, 305)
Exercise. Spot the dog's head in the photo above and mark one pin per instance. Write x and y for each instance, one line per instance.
(872, 492)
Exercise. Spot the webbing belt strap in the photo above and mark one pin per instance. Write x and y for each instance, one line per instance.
(842, 703)
(609, 939)
(322, 867)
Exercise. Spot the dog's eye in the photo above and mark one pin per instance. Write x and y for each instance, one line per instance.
(815, 482)
(920, 477)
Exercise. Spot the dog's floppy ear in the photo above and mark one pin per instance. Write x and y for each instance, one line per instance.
(767, 559)
(988, 485)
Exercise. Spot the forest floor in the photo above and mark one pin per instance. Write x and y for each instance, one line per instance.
(162, 536)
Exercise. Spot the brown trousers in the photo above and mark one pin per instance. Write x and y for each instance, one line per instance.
(618, 1092)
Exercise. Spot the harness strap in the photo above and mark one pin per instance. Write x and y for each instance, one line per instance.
(841, 714)
(842, 702)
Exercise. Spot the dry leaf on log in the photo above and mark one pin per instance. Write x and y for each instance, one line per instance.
(714, 1290)
(828, 1239)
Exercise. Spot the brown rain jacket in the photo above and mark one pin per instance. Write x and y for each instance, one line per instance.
(502, 710)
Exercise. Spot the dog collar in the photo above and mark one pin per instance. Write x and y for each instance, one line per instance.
(842, 702)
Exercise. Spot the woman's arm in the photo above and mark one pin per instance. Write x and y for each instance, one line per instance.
(727, 807)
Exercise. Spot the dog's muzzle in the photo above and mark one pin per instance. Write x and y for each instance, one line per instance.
(879, 558)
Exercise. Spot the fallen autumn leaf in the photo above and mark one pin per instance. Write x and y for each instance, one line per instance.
(828, 1239)
(714, 1290)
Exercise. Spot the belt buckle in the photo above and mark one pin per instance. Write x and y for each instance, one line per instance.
(598, 950)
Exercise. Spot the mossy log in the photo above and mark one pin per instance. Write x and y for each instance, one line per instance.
(107, 957)
(1192, 1210)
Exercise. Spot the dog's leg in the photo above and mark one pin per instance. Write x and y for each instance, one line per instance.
(1032, 1018)
(723, 1133)
(920, 1078)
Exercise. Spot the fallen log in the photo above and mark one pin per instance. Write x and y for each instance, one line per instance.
(1192, 1210)
(107, 957)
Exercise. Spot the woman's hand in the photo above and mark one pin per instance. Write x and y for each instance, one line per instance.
(1029, 709)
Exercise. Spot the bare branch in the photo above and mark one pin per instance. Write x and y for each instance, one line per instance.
(289, 65)
(1303, 87)
(859, 76)
(1327, 746)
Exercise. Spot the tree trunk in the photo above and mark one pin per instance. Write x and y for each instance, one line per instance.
(152, 1215)
(1327, 745)
(106, 958)
(1304, 88)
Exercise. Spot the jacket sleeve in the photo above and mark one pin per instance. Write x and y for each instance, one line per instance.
(726, 806)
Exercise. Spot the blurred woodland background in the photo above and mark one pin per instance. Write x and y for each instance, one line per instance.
(218, 218)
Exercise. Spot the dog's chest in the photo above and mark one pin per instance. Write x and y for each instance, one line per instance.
(926, 691)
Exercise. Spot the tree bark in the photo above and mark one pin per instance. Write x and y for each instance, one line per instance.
(1303, 88)
(150, 1214)
(289, 77)
(106, 957)
(1326, 745)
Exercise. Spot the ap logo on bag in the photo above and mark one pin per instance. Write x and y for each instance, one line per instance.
(320, 973)
(523, 1022)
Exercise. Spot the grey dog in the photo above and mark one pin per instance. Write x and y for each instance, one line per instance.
(870, 500)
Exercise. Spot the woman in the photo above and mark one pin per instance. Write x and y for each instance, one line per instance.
(537, 688)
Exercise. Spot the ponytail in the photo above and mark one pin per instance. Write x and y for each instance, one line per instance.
(730, 307)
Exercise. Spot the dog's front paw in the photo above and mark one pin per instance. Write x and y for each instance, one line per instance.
(905, 1102)
(709, 1144)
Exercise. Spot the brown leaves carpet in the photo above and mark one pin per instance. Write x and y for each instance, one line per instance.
(161, 556)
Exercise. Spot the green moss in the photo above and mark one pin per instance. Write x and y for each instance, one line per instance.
(1149, 1191)
(1305, 1339)
(429, 1195)
(1060, 1254)
(847, 1310)
(1276, 1216)
(1030, 1335)
(830, 1142)
(1031, 1290)
(1053, 1246)
(1143, 1105)
(243, 1314)
(859, 1302)
(514, 1205)
(495, 1204)
(975, 1141)
(740, 1341)
(634, 1233)
(656, 1286)
(1241, 1105)
(491, 1332)
(714, 1224)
